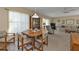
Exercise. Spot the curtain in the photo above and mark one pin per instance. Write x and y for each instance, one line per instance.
(18, 22)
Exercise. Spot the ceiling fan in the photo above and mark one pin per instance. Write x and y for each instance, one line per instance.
(68, 10)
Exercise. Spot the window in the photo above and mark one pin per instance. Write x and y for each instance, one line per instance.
(18, 22)
(47, 22)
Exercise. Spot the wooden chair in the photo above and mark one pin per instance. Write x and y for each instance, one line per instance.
(24, 42)
(41, 40)
(45, 38)
(39, 43)
(11, 37)
(6, 38)
(3, 42)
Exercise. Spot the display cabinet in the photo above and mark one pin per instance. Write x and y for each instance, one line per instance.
(35, 23)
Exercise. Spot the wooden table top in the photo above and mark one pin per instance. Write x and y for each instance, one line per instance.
(32, 33)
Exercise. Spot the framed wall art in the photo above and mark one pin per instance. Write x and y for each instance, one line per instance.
(77, 21)
(70, 21)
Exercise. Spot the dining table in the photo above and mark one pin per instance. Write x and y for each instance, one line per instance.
(34, 34)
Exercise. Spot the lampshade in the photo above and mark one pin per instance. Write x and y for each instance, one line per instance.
(35, 16)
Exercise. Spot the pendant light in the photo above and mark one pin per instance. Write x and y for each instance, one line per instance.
(35, 15)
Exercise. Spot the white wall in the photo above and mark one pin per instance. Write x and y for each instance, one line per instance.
(66, 20)
(69, 21)
(3, 20)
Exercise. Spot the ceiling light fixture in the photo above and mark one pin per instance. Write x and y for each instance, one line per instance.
(35, 15)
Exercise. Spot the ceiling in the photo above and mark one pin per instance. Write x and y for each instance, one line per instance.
(55, 11)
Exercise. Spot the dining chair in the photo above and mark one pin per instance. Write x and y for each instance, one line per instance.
(41, 40)
(24, 42)
(3, 41)
(45, 38)
(39, 44)
(11, 37)
(7, 38)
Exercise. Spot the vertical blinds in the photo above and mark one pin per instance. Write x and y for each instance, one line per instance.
(18, 22)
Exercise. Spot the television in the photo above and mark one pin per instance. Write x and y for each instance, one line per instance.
(53, 26)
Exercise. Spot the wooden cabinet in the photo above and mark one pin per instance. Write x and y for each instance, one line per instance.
(74, 42)
(35, 23)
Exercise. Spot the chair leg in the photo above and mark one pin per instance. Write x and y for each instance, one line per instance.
(22, 44)
(5, 43)
(18, 43)
(42, 47)
(47, 41)
(14, 37)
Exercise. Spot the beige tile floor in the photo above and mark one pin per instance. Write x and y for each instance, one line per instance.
(60, 41)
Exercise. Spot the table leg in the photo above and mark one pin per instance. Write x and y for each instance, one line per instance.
(33, 42)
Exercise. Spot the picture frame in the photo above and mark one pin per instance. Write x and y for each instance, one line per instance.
(63, 21)
(58, 21)
(70, 21)
(77, 21)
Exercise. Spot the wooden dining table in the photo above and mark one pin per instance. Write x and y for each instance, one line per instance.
(34, 34)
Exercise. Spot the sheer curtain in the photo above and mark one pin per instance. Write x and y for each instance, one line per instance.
(18, 22)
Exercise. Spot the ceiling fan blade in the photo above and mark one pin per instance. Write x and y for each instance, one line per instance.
(72, 10)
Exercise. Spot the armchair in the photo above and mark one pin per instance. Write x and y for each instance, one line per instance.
(50, 31)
